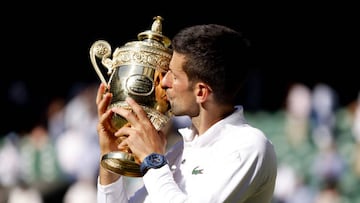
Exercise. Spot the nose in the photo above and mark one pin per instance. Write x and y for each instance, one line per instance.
(165, 81)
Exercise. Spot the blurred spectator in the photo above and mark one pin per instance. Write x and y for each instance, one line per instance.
(298, 109)
(328, 165)
(290, 187)
(24, 193)
(285, 183)
(324, 104)
(39, 163)
(77, 146)
(10, 157)
(329, 192)
(82, 191)
(56, 117)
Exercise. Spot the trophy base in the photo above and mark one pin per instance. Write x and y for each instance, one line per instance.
(122, 163)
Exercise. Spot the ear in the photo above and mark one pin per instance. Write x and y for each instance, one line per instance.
(203, 91)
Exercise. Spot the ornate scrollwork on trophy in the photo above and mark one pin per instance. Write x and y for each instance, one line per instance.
(135, 70)
(145, 56)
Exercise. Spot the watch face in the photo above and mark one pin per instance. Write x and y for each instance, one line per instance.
(152, 161)
(156, 160)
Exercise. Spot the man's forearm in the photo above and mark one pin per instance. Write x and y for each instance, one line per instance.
(106, 177)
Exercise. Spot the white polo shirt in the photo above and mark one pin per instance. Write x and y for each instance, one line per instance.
(231, 162)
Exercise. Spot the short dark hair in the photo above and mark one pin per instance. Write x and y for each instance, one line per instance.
(217, 55)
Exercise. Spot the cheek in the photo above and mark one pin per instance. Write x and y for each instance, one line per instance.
(178, 89)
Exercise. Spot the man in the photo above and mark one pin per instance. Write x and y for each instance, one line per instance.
(221, 158)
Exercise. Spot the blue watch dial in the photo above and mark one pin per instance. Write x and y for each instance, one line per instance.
(153, 160)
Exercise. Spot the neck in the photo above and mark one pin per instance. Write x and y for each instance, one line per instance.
(209, 116)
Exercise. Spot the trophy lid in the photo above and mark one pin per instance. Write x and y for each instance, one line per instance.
(155, 33)
(151, 49)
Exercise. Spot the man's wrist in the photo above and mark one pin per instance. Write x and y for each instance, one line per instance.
(153, 160)
(106, 177)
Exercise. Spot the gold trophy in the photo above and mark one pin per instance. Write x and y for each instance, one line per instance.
(135, 70)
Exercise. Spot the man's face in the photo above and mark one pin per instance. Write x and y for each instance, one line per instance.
(178, 90)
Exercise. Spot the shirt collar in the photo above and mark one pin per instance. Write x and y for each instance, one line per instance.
(191, 138)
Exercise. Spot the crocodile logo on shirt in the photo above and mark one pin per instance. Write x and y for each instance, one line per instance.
(197, 171)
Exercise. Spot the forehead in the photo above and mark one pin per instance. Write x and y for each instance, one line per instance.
(176, 62)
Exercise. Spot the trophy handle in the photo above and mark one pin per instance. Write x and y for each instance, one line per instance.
(101, 49)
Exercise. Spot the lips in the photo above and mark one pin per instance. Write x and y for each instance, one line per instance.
(165, 97)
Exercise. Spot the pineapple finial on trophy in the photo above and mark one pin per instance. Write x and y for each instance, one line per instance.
(157, 26)
(155, 33)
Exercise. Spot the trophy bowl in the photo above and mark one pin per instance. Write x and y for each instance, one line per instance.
(135, 70)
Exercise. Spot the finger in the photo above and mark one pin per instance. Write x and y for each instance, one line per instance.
(120, 139)
(124, 131)
(104, 103)
(123, 146)
(129, 115)
(137, 109)
(124, 149)
(100, 92)
(120, 133)
(105, 121)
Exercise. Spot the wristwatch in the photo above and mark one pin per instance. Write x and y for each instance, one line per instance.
(153, 160)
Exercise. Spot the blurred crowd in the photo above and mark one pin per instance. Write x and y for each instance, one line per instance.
(56, 157)
(317, 143)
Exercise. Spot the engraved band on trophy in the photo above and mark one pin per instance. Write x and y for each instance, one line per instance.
(135, 70)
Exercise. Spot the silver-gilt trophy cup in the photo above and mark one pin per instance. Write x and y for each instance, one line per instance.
(135, 70)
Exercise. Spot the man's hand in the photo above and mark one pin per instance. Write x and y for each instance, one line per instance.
(141, 136)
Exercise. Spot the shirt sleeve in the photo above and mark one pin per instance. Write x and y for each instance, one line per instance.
(161, 186)
(111, 193)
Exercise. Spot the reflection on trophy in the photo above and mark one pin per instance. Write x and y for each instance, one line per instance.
(135, 70)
